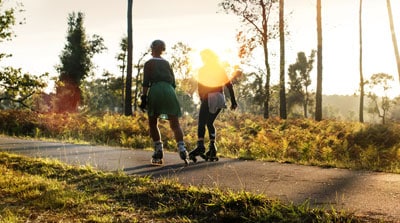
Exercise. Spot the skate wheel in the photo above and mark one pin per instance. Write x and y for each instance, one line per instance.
(157, 162)
(193, 158)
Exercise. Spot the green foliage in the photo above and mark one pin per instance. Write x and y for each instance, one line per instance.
(76, 63)
(326, 143)
(17, 89)
(299, 81)
(57, 192)
(7, 21)
(78, 51)
(103, 94)
(380, 83)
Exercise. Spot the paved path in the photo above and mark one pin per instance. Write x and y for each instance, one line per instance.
(366, 193)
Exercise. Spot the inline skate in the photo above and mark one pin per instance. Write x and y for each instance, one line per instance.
(198, 151)
(183, 154)
(157, 157)
(211, 154)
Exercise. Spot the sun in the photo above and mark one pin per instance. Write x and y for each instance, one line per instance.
(228, 57)
(214, 67)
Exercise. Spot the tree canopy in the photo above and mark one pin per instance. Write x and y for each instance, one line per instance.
(76, 63)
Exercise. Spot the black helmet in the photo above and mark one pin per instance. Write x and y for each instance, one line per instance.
(158, 45)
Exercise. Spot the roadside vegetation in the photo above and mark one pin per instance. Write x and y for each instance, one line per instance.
(41, 190)
(37, 190)
(328, 143)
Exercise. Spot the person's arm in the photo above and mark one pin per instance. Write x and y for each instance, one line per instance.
(145, 87)
(232, 95)
(173, 76)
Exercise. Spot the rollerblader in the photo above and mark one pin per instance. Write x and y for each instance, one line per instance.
(159, 98)
(211, 80)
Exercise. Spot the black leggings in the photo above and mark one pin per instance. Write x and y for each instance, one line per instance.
(206, 119)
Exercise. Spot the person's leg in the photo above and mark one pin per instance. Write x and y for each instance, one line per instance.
(210, 125)
(154, 130)
(203, 116)
(176, 128)
(211, 154)
(201, 130)
(156, 137)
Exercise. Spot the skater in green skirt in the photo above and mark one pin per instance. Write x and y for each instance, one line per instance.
(159, 98)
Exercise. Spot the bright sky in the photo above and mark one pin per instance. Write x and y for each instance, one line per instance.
(39, 42)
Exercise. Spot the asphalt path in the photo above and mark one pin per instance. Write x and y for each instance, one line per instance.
(365, 193)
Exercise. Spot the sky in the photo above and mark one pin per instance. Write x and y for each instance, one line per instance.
(202, 24)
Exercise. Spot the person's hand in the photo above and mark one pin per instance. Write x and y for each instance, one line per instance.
(234, 105)
(143, 103)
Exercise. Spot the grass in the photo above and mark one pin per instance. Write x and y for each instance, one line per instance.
(33, 190)
(43, 190)
(328, 143)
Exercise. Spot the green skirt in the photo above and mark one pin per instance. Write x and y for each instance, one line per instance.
(162, 100)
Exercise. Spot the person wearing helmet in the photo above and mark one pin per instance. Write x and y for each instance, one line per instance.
(160, 100)
(212, 79)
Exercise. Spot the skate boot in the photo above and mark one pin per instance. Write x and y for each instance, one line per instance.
(157, 157)
(198, 151)
(211, 154)
(183, 152)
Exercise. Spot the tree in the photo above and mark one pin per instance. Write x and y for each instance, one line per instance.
(250, 91)
(318, 99)
(7, 21)
(186, 84)
(180, 63)
(300, 80)
(102, 94)
(76, 63)
(394, 40)
(139, 77)
(16, 88)
(282, 90)
(122, 58)
(361, 108)
(255, 15)
(128, 87)
(380, 83)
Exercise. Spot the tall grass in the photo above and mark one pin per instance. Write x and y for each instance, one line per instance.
(328, 143)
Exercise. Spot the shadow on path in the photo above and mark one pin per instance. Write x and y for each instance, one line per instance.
(369, 193)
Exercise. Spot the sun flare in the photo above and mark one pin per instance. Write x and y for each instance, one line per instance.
(226, 57)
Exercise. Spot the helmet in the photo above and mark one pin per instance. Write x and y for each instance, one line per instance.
(158, 45)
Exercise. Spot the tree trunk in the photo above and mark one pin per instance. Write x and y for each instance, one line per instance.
(123, 85)
(138, 80)
(361, 109)
(267, 84)
(394, 40)
(318, 106)
(128, 88)
(306, 102)
(266, 59)
(282, 91)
